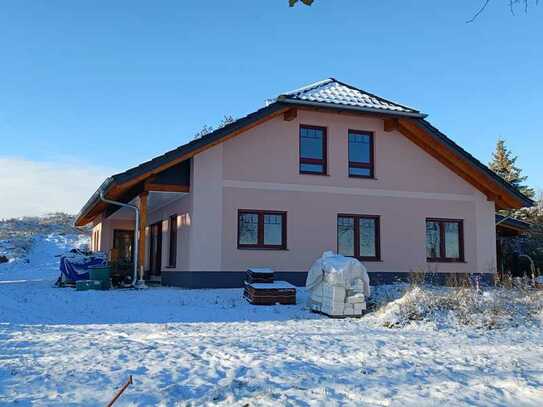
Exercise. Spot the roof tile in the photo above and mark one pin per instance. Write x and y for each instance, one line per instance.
(332, 91)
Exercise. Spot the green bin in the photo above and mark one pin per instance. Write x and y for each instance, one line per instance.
(102, 274)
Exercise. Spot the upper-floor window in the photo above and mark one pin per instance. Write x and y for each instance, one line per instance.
(258, 229)
(359, 236)
(361, 154)
(444, 240)
(312, 150)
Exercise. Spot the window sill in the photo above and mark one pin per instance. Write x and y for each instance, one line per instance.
(366, 259)
(276, 249)
(362, 177)
(314, 173)
(445, 261)
(170, 267)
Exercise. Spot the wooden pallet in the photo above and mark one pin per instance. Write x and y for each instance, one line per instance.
(279, 292)
(260, 275)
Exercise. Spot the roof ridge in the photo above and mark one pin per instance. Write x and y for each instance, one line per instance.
(382, 99)
(310, 86)
(315, 92)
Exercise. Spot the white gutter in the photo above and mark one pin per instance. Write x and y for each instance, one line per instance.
(504, 219)
(135, 282)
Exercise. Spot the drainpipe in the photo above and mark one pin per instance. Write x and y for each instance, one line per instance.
(135, 282)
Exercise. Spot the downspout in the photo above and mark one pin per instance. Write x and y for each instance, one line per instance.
(135, 282)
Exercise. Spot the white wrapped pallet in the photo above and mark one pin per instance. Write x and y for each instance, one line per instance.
(338, 285)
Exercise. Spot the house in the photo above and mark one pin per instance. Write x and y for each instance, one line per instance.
(324, 167)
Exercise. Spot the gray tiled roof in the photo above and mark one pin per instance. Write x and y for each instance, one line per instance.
(333, 92)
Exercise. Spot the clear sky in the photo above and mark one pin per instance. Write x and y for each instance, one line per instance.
(92, 88)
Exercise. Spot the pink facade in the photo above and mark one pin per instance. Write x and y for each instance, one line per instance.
(260, 170)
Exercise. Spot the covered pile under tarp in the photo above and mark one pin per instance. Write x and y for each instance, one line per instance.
(74, 266)
(338, 285)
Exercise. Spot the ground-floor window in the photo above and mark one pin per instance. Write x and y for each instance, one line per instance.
(172, 251)
(122, 243)
(359, 236)
(262, 229)
(444, 240)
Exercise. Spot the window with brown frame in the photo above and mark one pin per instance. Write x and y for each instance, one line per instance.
(172, 252)
(361, 154)
(444, 240)
(260, 229)
(313, 154)
(359, 236)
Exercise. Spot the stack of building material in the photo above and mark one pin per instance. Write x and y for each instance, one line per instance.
(260, 275)
(260, 288)
(338, 286)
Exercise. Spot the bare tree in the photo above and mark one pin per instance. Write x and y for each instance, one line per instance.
(292, 3)
(513, 5)
(227, 119)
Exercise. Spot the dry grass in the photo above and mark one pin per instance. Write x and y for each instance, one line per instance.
(464, 306)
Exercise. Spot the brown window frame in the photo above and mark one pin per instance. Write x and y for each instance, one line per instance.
(172, 249)
(131, 232)
(441, 258)
(315, 161)
(260, 231)
(356, 164)
(356, 223)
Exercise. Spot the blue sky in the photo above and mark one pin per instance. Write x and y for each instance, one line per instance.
(108, 85)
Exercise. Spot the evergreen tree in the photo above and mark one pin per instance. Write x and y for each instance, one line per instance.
(503, 164)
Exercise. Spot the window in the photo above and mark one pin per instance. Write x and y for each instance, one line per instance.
(172, 254)
(262, 229)
(359, 236)
(444, 240)
(360, 154)
(123, 241)
(312, 150)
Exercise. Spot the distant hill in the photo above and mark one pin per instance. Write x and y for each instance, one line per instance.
(16, 234)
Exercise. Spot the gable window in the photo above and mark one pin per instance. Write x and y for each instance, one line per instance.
(258, 229)
(444, 240)
(172, 253)
(361, 154)
(359, 236)
(312, 150)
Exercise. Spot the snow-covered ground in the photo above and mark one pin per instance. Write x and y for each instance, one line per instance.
(209, 347)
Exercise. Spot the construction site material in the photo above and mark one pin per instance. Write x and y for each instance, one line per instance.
(260, 275)
(85, 285)
(338, 286)
(279, 292)
(101, 274)
(120, 392)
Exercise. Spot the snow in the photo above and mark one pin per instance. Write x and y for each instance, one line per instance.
(210, 347)
(274, 285)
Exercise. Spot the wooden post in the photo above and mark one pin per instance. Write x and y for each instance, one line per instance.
(143, 224)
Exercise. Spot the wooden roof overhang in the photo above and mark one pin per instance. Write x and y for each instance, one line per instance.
(126, 185)
(508, 226)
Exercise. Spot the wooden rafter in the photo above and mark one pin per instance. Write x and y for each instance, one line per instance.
(290, 114)
(457, 164)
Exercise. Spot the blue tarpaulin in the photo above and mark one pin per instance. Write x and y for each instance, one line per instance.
(75, 265)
